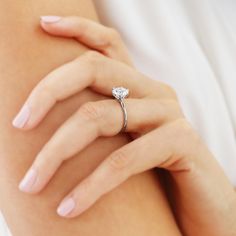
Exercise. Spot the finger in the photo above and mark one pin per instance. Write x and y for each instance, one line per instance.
(159, 148)
(94, 119)
(94, 35)
(91, 70)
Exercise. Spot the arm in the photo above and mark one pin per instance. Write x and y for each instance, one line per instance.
(27, 55)
(204, 199)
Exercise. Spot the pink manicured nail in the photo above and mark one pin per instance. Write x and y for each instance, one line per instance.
(50, 19)
(66, 207)
(28, 181)
(22, 117)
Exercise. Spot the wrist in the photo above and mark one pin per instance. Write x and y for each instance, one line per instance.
(205, 189)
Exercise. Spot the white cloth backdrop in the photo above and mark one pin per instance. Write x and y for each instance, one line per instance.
(191, 45)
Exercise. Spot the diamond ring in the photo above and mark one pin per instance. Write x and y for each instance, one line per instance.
(120, 94)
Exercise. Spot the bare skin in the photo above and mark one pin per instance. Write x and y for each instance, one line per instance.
(163, 137)
(137, 207)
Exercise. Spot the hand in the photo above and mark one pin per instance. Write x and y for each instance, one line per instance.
(161, 135)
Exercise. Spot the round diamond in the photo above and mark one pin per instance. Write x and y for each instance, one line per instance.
(120, 92)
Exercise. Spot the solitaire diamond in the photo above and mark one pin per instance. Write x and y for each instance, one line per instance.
(120, 93)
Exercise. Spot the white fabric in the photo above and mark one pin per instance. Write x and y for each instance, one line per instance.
(3, 227)
(191, 45)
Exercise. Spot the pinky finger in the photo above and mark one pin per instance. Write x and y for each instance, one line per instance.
(94, 35)
(151, 150)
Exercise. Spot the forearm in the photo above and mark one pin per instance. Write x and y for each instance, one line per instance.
(27, 55)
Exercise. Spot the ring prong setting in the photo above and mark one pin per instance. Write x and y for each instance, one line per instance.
(120, 93)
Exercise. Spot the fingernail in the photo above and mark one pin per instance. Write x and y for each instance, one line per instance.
(28, 182)
(50, 19)
(66, 207)
(22, 117)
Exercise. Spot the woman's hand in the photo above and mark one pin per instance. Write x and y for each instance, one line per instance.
(161, 136)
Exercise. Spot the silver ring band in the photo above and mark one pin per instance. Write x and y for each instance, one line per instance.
(122, 104)
(120, 94)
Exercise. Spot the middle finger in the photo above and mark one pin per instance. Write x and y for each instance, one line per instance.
(91, 70)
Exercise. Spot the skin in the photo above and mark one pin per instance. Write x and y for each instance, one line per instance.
(27, 55)
(161, 136)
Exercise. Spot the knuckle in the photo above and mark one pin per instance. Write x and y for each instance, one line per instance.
(174, 110)
(166, 111)
(188, 144)
(46, 89)
(186, 134)
(91, 111)
(164, 90)
(170, 91)
(92, 57)
(91, 62)
(113, 37)
(119, 160)
(87, 184)
(184, 127)
(114, 34)
(173, 106)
